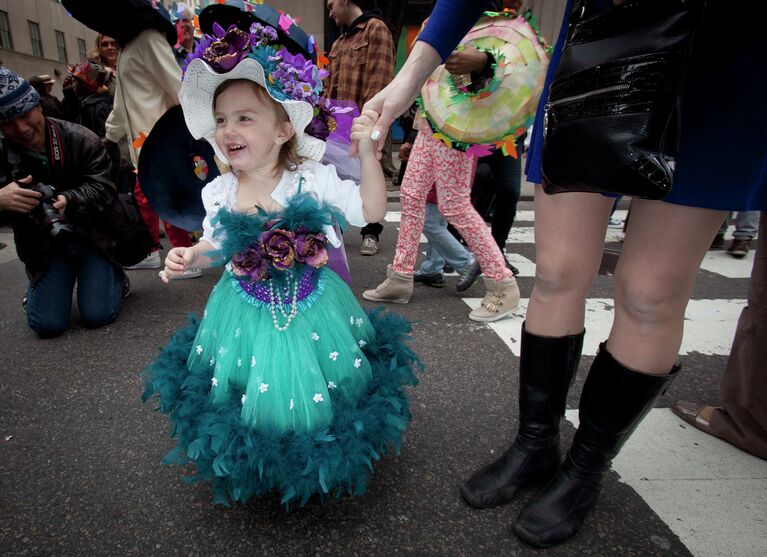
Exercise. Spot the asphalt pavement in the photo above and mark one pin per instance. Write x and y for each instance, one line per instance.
(80, 455)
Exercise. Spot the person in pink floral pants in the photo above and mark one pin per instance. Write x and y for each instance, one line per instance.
(432, 162)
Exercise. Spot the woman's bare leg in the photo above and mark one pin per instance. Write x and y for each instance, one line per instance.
(569, 238)
(662, 252)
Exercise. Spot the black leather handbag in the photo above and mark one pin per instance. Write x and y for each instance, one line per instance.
(131, 240)
(612, 120)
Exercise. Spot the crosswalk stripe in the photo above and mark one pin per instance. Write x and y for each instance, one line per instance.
(722, 263)
(526, 235)
(709, 493)
(525, 266)
(521, 216)
(709, 324)
(718, 262)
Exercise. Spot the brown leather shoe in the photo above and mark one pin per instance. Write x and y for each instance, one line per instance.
(739, 248)
(694, 414)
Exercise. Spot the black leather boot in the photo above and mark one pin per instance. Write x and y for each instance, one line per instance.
(613, 402)
(546, 371)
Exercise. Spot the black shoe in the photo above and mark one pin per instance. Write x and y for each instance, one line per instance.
(546, 370)
(718, 242)
(468, 276)
(448, 269)
(613, 402)
(436, 280)
(512, 268)
(24, 303)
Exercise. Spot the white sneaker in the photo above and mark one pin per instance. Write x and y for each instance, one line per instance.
(194, 272)
(151, 261)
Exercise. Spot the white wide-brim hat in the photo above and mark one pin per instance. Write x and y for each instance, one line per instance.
(196, 96)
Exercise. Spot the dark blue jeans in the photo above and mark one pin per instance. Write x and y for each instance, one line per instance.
(99, 290)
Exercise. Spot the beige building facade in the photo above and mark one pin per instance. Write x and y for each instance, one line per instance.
(39, 37)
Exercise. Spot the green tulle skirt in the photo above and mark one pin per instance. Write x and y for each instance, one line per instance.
(301, 411)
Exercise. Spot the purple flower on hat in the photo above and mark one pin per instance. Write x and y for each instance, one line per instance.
(333, 119)
(319, 126)
(231, 47)
(251, 263)
(306, 70)
(299, 78)
(262, 34)
(311, 248)
(278, 245)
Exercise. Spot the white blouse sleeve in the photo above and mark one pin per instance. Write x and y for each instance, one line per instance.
(344, 195)
(214, 197)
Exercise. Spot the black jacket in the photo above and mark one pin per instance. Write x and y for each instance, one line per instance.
(81, 173)
(94, 111)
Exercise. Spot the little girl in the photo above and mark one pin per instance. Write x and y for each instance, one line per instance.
(285, 384)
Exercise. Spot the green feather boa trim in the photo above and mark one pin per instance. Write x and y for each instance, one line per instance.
(241, 463)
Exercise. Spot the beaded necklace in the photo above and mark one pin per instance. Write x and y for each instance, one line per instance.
(276, 300)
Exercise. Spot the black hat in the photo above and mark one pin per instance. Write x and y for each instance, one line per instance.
(244, 14)
(173, 167)
(123, 19)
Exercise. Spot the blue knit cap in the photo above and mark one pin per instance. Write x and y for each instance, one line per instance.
(17, 96)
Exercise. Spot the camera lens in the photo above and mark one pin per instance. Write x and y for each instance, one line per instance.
(54, 222)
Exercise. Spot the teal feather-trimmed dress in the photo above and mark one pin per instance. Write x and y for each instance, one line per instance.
(286, 384)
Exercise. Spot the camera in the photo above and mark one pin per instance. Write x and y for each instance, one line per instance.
(49, 218)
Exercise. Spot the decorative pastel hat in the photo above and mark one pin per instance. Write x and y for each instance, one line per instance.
(492, 117)
(243, 14)
(291, 80)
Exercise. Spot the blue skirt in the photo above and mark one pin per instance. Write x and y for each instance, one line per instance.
(722, 161)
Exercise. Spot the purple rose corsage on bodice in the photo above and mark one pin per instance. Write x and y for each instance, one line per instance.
(279, 268)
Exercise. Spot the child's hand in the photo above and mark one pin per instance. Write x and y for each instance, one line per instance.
(362, 127)
(177, 261)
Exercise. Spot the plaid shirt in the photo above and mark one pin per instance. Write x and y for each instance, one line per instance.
(361, 62)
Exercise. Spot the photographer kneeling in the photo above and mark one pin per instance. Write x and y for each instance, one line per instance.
(57, 193)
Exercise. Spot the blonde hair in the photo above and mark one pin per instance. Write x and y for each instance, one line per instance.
(95, 54)
(288, 157)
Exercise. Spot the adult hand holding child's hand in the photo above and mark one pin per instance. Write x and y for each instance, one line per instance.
(362, 128)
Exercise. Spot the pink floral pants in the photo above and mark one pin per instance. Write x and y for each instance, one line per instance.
(432, 162)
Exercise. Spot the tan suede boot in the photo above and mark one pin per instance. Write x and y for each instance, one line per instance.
(501, 299)
(396, 289)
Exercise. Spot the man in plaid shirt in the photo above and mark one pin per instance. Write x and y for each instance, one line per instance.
(361, 64)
